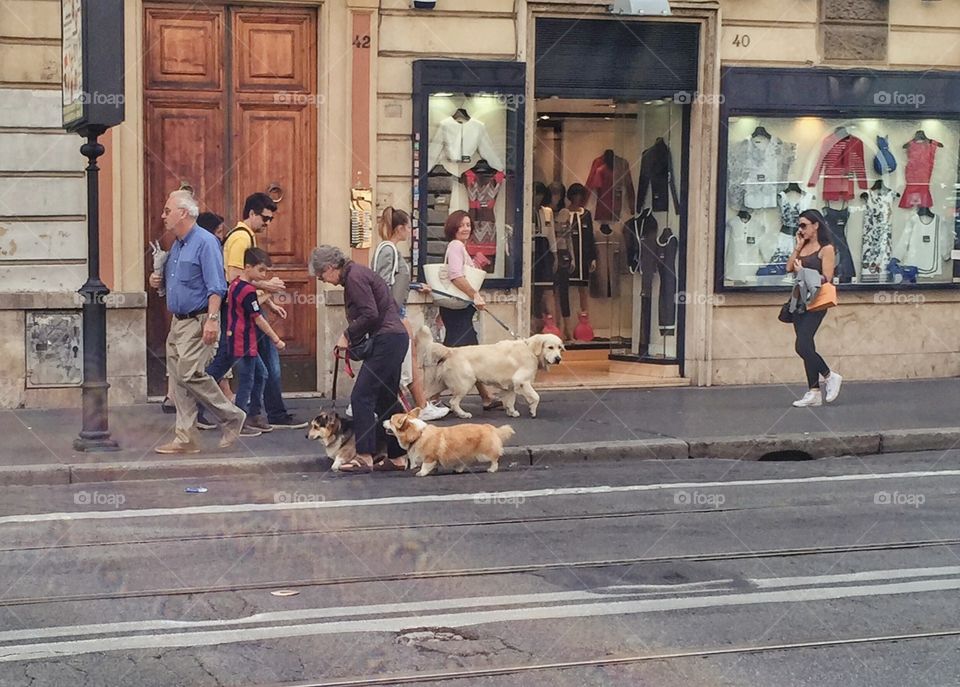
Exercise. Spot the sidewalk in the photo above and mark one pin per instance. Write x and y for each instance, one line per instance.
(719, 422)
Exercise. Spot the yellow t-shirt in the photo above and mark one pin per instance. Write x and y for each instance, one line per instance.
(241, 238)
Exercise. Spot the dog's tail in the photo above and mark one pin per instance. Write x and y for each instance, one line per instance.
(429, 351)
(504, 432)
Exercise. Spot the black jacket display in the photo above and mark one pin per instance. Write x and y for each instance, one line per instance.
(656, 173)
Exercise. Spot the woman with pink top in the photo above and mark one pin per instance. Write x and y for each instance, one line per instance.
(459, 323)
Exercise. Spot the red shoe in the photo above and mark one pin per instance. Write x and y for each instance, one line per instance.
(550, 327)
(583, 331)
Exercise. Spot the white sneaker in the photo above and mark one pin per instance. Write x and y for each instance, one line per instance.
(432, 411)
(349, 411)
(813, 397)
(832, 384)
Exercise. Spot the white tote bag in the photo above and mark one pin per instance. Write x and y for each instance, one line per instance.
(438, 279)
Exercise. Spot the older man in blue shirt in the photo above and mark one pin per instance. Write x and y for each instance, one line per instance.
(195, 286)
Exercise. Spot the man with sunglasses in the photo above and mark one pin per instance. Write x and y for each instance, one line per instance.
(258, 213)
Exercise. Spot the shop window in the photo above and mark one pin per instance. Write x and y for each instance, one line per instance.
(468, 152)
(608, 240)
(884, 177)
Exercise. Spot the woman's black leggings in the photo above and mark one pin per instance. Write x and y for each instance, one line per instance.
(806, 326)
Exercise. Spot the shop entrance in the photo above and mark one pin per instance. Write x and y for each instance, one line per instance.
(609, 196)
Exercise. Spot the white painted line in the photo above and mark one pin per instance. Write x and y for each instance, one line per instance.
(479, 497)
(27, 652)
(301, 614)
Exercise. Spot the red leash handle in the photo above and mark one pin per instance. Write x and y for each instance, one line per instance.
(344, 355)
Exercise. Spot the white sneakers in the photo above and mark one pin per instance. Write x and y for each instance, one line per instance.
(813, 397)
(832, 387)
(433, 411)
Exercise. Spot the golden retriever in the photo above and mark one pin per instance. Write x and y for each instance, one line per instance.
(511, 365)
(456, 448)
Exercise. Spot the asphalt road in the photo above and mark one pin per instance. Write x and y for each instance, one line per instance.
(682, 573)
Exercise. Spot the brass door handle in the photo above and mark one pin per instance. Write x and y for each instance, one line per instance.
(275, 191)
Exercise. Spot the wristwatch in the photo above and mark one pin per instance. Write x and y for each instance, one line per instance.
(215, 317)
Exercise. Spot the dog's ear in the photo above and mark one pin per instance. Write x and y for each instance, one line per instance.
(535, 343)
(415, 412)
(404, 419)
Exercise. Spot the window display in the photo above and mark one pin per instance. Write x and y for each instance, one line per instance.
(607, 244)
(468, 152)
(885, 186)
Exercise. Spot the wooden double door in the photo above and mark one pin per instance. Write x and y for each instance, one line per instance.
(230, 108)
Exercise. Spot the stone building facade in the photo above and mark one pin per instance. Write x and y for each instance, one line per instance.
(330, 85)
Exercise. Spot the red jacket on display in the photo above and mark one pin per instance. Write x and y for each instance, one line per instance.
(841, 159)
(613, 186)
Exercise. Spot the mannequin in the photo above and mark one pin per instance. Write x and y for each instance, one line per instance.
(576, 254)
(544, 256)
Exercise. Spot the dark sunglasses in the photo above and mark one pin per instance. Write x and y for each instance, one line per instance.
(266, 218)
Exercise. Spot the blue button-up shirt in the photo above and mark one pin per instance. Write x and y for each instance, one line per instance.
(194, 272)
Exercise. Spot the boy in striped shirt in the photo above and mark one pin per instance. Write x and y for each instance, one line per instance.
(243, 319)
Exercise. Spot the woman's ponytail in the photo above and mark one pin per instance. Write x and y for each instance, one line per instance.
(390, 221)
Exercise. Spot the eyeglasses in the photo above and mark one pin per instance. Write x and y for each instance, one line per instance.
(802, 225)
(266, 218)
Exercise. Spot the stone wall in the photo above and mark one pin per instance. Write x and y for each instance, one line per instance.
(43, 206)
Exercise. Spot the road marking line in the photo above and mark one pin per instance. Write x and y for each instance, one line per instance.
(479, 497)
(604, 593)
(27, 652)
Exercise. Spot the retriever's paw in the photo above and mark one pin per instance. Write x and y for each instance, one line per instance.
(513, 413)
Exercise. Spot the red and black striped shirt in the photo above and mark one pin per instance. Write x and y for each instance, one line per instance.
(243, 308)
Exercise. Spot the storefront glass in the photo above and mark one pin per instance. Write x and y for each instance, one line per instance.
(468, 155)
(887, 187)
(467, 169)
(608, 241)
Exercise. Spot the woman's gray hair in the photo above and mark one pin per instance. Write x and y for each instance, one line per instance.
(185, 200)
(324, 257)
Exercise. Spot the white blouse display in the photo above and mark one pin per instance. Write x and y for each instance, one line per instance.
(455, 141)
(923, 246)
(745, 248)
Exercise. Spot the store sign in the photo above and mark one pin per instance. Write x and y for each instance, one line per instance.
(92, 64)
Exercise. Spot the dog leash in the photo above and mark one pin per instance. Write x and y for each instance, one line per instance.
(465, 300)
(338, 355)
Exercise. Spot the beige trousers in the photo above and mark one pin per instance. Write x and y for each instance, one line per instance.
(187, 356)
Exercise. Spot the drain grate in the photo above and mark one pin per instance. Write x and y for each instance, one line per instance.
(784, 456)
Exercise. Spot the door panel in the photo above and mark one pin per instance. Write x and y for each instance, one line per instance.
(274, 143)
(184, 49)
(275, 51)
(218, 115)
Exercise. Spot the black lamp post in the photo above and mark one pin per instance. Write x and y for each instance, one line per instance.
(93, 96)
(95, 435)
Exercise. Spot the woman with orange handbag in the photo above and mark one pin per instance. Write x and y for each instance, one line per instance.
(815, 251)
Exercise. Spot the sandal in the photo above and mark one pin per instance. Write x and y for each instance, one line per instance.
(387, 465)
(355, 466)
(493, 405)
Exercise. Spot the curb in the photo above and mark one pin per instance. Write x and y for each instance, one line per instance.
(815, 445)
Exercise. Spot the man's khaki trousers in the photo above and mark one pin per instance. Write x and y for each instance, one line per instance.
(187, 356)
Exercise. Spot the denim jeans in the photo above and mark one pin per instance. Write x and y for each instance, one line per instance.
(251, 373)
(272, 392)
(223, 360)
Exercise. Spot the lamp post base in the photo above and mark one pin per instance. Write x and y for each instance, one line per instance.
(95, 444)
